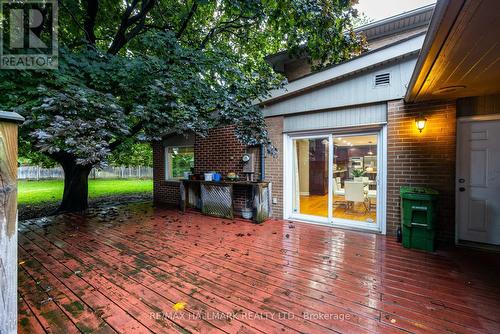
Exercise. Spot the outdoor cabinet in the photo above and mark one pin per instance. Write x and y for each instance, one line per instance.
(8, 221)
(216, 198)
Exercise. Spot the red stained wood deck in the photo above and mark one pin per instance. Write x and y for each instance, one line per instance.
(136, 269)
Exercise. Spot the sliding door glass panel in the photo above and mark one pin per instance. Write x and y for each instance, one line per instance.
(310, 176)
(355, 178)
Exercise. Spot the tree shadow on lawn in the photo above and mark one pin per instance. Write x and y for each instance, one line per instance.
(44, 209)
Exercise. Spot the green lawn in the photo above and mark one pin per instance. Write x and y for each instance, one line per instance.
(31, 192)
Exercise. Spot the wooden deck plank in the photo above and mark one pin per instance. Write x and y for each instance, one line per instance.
(136, 261)
(28, 322)
(125, 276)
(46, 311)
(178, 244)
(108, 235)
(247, 302)
(139, 311)
(84, 318)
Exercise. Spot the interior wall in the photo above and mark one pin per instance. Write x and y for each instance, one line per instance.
(303, 156)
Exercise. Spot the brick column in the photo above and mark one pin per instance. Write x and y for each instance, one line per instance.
(274, 165)
(422, 159)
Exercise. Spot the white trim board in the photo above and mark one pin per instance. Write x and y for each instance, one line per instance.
(488, 117)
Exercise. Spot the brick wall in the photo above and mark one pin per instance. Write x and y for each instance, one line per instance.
(220, 151)
(274, 165)
(422, 159)
(164, 192)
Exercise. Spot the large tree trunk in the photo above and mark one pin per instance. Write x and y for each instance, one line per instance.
(76, 187)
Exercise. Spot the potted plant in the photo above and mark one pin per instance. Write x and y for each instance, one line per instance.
(358, 172)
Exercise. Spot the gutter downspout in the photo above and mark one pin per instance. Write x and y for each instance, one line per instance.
(262, 163)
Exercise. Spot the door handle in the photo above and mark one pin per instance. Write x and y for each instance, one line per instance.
(462, 189)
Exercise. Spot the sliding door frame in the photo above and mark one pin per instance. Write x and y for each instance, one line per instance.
(288, 170)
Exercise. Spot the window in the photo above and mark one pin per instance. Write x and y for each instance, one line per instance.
(179, 159)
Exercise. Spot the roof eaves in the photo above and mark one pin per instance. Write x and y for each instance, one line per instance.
(429, 50)
(285, 94)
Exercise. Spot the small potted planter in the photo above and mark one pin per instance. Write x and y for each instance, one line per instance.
(247, 213)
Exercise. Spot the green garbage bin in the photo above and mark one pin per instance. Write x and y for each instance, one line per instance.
(418, 212)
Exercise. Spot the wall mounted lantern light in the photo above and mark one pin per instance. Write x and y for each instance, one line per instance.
(420, 122)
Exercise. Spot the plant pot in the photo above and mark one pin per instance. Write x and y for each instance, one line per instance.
(247, 213)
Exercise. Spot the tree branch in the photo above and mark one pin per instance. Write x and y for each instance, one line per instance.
(186, 20)
(135, 130)
(90, 20)
(73, 18)
(138, 20)
(228, 26)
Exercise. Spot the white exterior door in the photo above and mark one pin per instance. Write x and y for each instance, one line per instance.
(478, 181)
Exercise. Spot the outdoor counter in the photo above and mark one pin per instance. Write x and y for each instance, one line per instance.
(217, 198)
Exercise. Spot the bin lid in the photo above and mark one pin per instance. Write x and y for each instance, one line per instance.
(421, 193)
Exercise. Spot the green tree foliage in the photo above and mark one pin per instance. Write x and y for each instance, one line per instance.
(139, 69)
(133, 154)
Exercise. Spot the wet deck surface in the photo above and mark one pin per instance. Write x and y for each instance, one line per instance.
(136, 269)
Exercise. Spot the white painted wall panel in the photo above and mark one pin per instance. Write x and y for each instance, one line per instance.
(355, 91)
(349, 68)
(354, 116)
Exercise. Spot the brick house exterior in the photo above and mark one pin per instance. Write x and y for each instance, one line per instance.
(426, 159)
(219, 151)
(364, 95)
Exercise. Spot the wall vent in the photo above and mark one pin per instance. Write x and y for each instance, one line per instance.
(382, 79)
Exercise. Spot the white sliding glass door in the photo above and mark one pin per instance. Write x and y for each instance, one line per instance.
(310, 177)
(336, 179)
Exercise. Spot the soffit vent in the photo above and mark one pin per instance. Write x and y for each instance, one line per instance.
(382, 79)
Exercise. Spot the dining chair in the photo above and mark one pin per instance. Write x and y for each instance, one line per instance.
(355, 193)
(338, 180)
(337, 190)
(372, 194)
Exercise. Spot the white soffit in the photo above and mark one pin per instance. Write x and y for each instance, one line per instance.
(354, 66)
(460, 56)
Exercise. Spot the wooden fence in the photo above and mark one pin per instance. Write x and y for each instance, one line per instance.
(39, 173)
(8, 221)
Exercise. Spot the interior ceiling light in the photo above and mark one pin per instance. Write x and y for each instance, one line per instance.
(448, 90)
